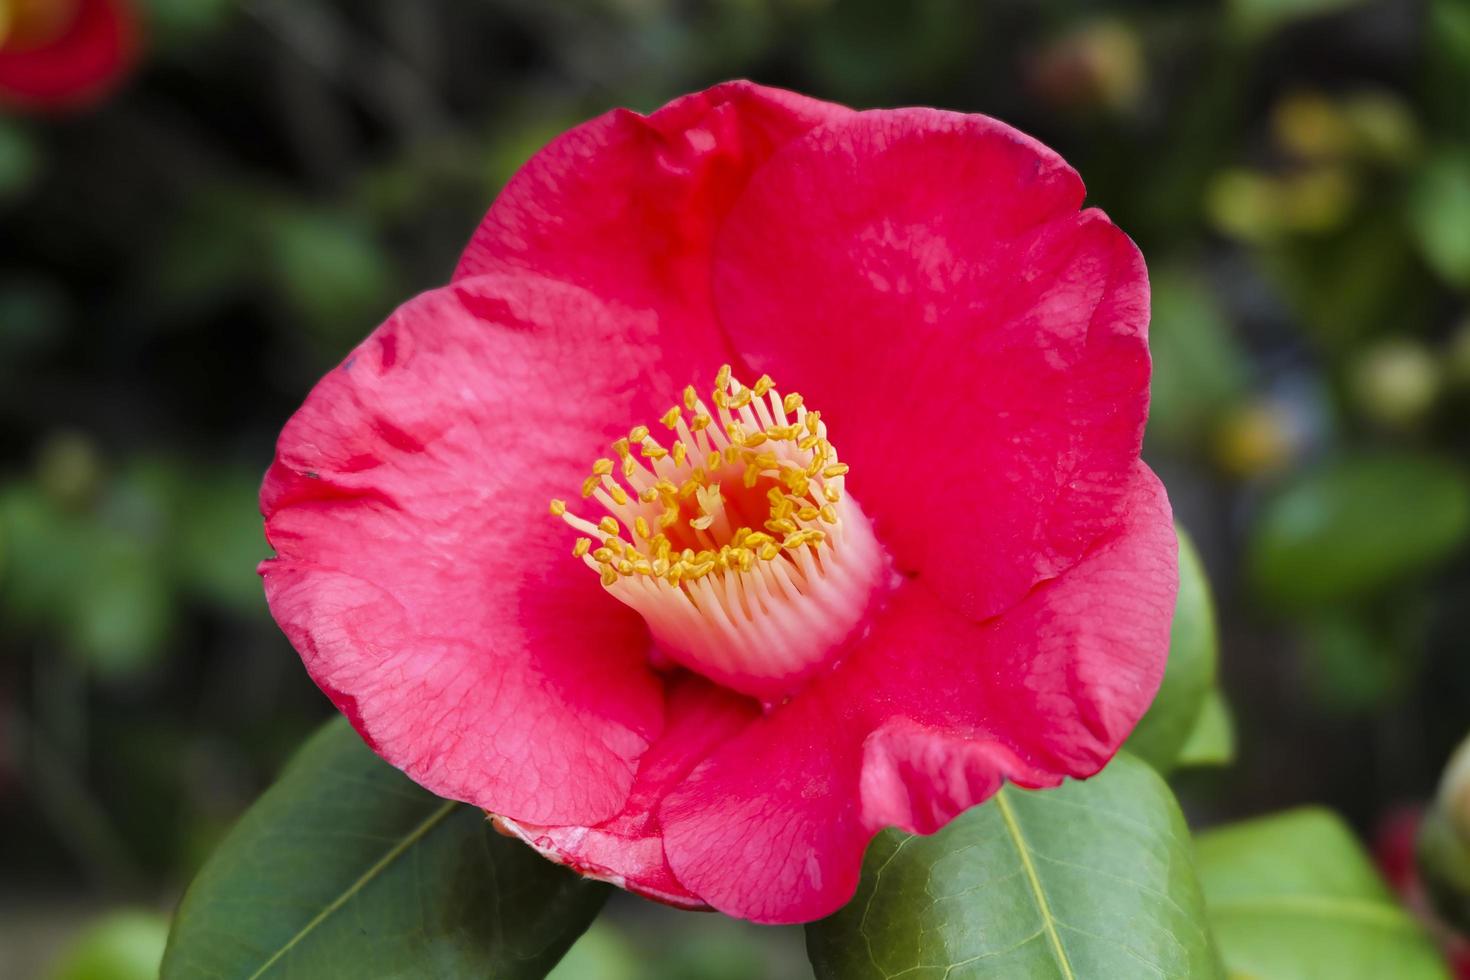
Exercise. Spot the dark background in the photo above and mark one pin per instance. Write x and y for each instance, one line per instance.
(181, 263)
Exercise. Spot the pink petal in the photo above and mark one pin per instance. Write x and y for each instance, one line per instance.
(924, 718)
(419, 575)
(628, 206)
(628, 849)
(976, 346)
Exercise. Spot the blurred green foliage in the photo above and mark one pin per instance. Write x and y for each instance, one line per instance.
(1293, 896)
(179, 265)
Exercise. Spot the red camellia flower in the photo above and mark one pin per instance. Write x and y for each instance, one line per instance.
(61, 54)
(759, 625)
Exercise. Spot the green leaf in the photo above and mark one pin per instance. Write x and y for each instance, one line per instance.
(1293, 896)
(20, 160)
(1212, 741)
(1443, 848)
(1356, 525)
(1092, 879)
(122, 945)
(1258, 17)
(346, 869)
(1190, 675)
(1439, 213)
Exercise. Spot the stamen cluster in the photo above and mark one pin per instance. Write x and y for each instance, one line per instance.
(738, 530)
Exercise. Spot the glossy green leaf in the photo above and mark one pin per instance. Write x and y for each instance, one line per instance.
(1356, 525)
(1190, 675)
(122, 945)
(1212, 740)
(346, 869)
(1263, 16)
(1293, 896)
(1093, 879)
(1444, 843)
(1439, 213)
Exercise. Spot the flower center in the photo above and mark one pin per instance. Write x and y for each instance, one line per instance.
(737, 543)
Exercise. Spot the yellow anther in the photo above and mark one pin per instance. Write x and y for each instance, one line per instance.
(609, 577)
(625, 567)
(791, 402)
(762, 385)
(836, 469)
(752, 474)
(689, 488)
(736, 432)
(681, 452)
(651, 448)
(640, 526)
(813, 419)
(638, 433)
(558, 507)
(604, 554)
(619, 495)
(779, 525)
(720, 398)
(671, 417)
(722, 378)
(700, 421)
(714, 461)
(648, 495)
(590, 484)
(808, 443)
(770, 550)
(832, 494)
(621, 448)
(741, 399)
(795, 480)
(775, 496)
(702, 523)
(660, 567)
(691, 397)
(643, 567)
(808, 514)
(609, 525)
(666, 488)
(582, 546)
(732, 453)
(829, 514)
(602, 467)
(757, 538)
(629, 465)
(755, 439)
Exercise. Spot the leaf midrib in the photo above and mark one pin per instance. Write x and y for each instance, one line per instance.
(393, 853)
(1048, 918)
(1317, 906)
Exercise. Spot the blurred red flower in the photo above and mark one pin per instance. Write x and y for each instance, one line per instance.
(64, 54)
(1394, 849)
(775, 654)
